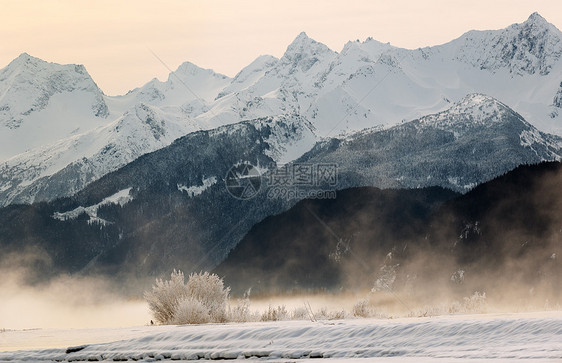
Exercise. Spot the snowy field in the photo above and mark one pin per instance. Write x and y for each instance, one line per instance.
(487, 337)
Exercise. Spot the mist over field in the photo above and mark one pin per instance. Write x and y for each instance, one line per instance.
(394, 253)
(67, 302)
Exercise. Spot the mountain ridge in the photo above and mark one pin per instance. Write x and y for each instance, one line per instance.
(179, 210)
(367, 84)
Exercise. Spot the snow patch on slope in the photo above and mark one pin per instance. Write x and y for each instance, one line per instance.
(290, 137)
(121, 198)
(196, 190)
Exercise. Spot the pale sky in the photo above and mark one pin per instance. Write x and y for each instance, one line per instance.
(113, 38)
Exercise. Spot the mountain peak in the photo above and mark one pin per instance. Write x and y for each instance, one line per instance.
(474, 110)
(25, 59)
(537, 24)
(26, 63)
(259, 64)
(28, 83)
(302, 35)
(480, 104)
(531, 47)
(304, 52)
(536, 18)
(188, 70)
(188, 66)
(476, 99)
(300, 41)
(303, 43)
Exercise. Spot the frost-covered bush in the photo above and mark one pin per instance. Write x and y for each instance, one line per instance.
(165, 296)
(203, 299)
(361, 309)
(431, 310)
(325, 314)
(191, 311)
(300, 313)
(366, 308)
(275, 314)
(476, 303)
(241, 311)
(209, 290)
(473, 304)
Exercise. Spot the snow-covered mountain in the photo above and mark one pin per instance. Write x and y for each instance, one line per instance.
(147, 119)
(370, 83)
(528, 48)
(189, 89)
(43, 102)
(172, 207)
(58, 132)
(66, 166)
(191, 172)
(457, 148)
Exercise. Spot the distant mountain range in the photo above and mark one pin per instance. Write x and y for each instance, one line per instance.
(59, 132)
(172, 207)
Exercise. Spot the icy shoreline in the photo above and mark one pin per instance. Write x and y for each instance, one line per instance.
(452, 338)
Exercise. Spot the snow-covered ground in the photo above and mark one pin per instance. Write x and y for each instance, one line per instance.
(496, 337)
